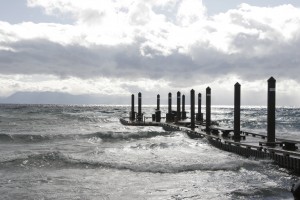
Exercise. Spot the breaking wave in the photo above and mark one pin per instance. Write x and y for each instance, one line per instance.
(129, 135)
(59, 160)
(105, 136)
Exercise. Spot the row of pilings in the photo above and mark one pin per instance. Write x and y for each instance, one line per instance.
(180, 114)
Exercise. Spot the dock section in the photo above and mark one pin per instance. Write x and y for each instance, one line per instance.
(283, 152)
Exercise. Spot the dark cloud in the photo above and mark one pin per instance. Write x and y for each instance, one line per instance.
(203, 64)
(45, 57)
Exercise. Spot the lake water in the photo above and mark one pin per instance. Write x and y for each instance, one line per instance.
(83, 152)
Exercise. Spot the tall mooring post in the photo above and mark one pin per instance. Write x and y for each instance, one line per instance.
(158, 112)
(158, 102)
(271, 111)
(169, 115)
(170, 102)
(183, 114)
(140, 115)
(192, 109)
(237, 112)
(208, 108)
(132, 113)
(178, 113)
(199, 115)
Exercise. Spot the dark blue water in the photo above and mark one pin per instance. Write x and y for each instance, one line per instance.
(83, 152)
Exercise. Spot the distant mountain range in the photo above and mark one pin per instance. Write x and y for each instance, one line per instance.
(63, 98)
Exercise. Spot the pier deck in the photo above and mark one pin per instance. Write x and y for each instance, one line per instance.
(250, 144)
(284, 152)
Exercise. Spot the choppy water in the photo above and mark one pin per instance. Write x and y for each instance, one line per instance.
(83, 152)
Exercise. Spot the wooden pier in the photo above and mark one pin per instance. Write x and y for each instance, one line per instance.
(284, 153)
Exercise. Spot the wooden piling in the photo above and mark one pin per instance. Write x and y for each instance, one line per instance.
(199, 103)
(158, 112)
(158, 102)
(208, 108)
(183, 114)
(139, 115)
(237, 112)
(199, 116)
(192, 109)
(170, 103)
(271, 111)
(169, 115)
(178, 114)
(132, 113)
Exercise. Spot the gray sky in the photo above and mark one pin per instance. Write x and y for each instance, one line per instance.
(115, 48)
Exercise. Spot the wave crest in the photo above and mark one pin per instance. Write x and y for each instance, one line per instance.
(105, 136)
(59, 160)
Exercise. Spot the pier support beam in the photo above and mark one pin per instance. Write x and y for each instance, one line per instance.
(192, 109)
(237, 112)
(271, 111)
(199, 116)
(183, 114)
(158, 112)
(169, 115)
(132, 113)
(208, 108)
(178, 113)
(140, 115)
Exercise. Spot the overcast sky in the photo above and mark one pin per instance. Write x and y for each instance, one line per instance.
(112, 48)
